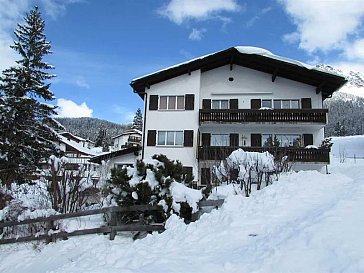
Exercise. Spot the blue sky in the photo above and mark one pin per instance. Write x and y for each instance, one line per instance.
(100, 46)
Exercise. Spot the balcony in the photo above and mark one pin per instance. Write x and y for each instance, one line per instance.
(320, 155)
(317, 116)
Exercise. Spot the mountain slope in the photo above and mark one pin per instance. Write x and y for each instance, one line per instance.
(89, 128)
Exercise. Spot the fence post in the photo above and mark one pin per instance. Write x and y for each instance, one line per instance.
(113, 223)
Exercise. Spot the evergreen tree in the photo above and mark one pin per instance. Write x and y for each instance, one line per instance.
(340, 129)
(27, 126)
(100, 140)
(138, 120)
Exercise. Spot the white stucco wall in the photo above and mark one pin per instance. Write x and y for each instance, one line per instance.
(251, 84)
(214, 84)
(174, 120)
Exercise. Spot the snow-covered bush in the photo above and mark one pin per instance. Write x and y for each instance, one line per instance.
(246, 168)
(162, 182)
(26, 201)
(69, 190)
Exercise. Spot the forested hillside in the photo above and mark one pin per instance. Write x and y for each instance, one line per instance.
(346, 115)
(92, 128)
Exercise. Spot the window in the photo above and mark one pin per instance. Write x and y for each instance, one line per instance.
(267, 103)
(219, 104)
(286, 104)
(220, 140)
(170, 138)
(267, 140)
(277, 104)
(288, 140)
(171, 102)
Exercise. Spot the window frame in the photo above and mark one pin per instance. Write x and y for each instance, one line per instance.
(279, 138)
(169, 106)
(220, 104)
(290, 103)
(165, 141)
(224, 142)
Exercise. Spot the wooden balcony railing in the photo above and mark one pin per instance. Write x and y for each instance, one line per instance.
(134, 139)
(294, 154)
(274, 115)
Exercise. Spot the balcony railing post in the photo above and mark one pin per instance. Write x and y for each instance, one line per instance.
(294, 154)
(275, 115)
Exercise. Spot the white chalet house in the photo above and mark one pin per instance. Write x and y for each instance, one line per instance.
(125, 150)
(199, 111)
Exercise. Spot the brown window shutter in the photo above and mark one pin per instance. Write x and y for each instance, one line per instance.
(234, 140)
(188, 138)
(206, 140)
(205, 176)
(307, 139)
(306, 103)
(256, 140)
(234, 104)
(206, 104)
(255, 103)
(153, 102)
(151, 138)
(189, 102)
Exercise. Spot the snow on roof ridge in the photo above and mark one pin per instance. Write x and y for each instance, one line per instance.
(77, 146)
(248, 50)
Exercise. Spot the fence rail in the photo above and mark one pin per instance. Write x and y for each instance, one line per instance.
(111, 229)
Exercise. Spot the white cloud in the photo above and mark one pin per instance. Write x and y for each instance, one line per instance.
(56, 8)
(324, 25)
(257, 17)
(197, 34)
(180, 11)
(70, 109)
(11, 13)
(126, 116)
(81, 82)
(291, 38)
(355, 50)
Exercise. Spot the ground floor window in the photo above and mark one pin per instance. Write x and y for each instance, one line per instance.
(281, 140)
(220, 140)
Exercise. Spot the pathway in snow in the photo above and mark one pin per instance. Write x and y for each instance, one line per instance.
(306, 222)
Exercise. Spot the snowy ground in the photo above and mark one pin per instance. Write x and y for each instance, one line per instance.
(305, 222)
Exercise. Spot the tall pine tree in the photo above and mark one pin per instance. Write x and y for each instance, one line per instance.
(138, 120)
(27, 127)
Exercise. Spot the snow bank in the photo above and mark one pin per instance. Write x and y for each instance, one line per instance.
(305, 222)
(348, 146)
(181, 193)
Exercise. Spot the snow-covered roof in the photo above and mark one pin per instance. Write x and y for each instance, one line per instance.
(73, 136)
(252, 57)
(108, 155)
(129, 132)
(77, 146)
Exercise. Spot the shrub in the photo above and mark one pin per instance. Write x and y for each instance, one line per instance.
(151, 184)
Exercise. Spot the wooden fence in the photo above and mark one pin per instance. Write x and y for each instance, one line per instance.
(112, 229)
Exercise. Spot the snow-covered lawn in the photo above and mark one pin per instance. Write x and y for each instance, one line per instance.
(305, 222)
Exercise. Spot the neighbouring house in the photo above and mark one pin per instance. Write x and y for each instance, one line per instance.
(200, 111)
(78, 151)
(129, 138)
(84, 142)
(125, 151)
